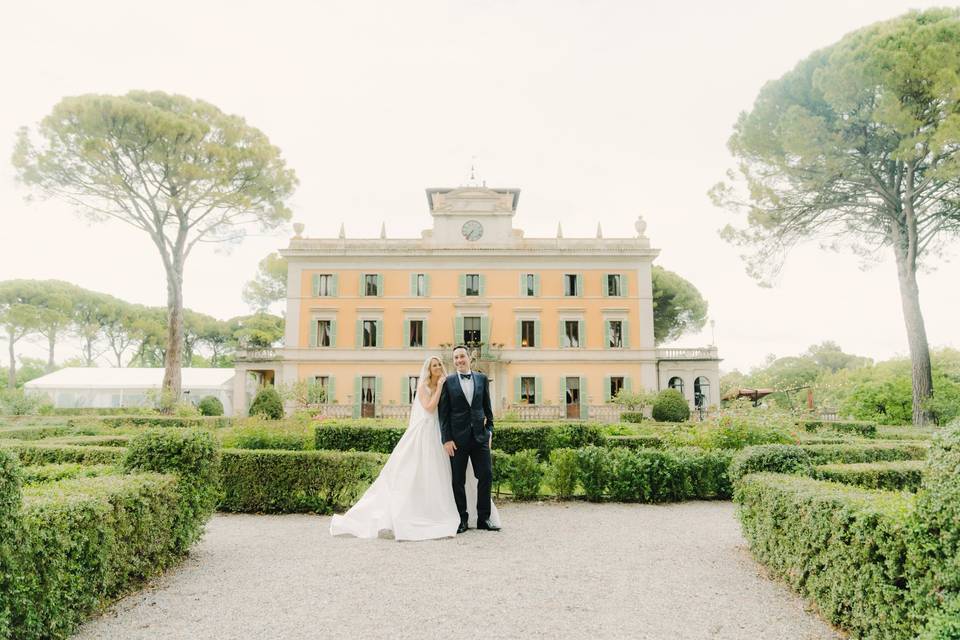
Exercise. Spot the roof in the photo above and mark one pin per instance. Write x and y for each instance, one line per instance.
(128, 378)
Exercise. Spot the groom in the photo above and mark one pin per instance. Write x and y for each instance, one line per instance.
(466, 428)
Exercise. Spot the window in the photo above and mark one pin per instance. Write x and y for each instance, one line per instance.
(370, 333)
(528, 333)
(676, 382)
(368, 390)
(416, 333)
(613, 285)
(616, 386)
(472, 285)
(570, 284)
(528, 391)
(325, 285)
(320, 391)
(571, 333)
(412, 383)
(471, 331)
(701, 392)
(323, 333)
(371, 284)
(420, 284)
(616, 334)
(531, 284)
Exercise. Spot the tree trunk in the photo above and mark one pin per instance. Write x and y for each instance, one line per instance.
(172, 360)
(12, 376)
(917, 339)
(51, 343)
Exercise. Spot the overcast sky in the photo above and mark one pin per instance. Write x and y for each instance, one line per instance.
(597, 111)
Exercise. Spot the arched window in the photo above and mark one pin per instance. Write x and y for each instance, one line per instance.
(701, 392)
(676, 382)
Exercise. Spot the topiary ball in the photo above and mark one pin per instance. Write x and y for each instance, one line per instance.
(670, 406)
(267, 404)
(210, 406)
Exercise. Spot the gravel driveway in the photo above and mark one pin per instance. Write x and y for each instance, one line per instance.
(571, 570)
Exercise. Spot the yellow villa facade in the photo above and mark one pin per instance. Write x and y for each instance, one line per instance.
(560, 325)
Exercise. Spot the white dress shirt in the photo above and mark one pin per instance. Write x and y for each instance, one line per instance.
(467, 386)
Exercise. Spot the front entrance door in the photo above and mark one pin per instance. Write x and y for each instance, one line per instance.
(573, 398)
(368, 397)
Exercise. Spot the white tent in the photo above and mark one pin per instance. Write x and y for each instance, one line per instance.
(129, 387)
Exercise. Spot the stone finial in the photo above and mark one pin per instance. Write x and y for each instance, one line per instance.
(559, 230)
(641, 226)
(298, 229)
(343, 232)
(599, 231)
(383, 230)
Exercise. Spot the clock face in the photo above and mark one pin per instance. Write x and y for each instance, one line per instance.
(472, 230)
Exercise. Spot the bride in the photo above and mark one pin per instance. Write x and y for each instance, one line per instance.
(413, 495)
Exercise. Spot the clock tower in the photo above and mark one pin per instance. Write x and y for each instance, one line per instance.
(473, 216)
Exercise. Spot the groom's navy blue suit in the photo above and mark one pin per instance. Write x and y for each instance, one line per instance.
(469, 425)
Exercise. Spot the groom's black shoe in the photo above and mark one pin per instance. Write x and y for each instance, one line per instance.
(486, 525)
(463, 527)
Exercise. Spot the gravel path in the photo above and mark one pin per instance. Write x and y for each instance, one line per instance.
(573, 570)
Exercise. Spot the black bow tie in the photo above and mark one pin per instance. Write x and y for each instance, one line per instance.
(466, 376)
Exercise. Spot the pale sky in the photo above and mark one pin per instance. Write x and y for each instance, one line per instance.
(597, 111)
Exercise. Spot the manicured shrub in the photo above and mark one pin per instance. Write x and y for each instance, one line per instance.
(30, 454)
(561, 474)
(775, 458)
(210, 406)
(265, 437)
(267, 404)
(850, 453)
(670, 406)
(900, 475)
(180, 422)
(501, 469)
(570, 436)
(268, 481)
(705, 473)
(347, 436)
(40, 474)
(92, 441)
(634, 417)
(34, 433)
(194, 456)
(594, 471)
(626, 476)
(635, 442)
(526, 474)
(861, 428)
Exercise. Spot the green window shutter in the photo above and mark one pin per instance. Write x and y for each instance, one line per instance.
(606, 389)
(406, 333)
(380, 339)
(463, 284)
(315, 284)
(580, 284)
(516, 389)
(379, 284)
(356, 396)
(331, 390)
(563, 390)
(562, 335)
(413, 285)
(624, 285)
(458, 330)
(628, 383)
(625, 330)
(536, 285)
(333, 333)
(404, 390)
(605, 285)
(334, 284)
(519, 333)
(523, 284)
(584, 405)
(359, 333)
(378, 390)
(426, 340)
(538, 390)
(606, 334)
(485, 333)
(363, 288)
(426, 284)
(581, 329)
(536, 334)
(483, 285)
(314, 327)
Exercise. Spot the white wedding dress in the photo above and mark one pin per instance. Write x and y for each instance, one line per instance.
(413, 495)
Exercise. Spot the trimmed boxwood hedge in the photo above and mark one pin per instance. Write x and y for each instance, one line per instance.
(271, 481)
(776, 458)
(865, 429)
(52, 453)
(900, 475)
(880, 564)
(635, 442)
(34, 433)
(212, 422)
(850, 453)
(40, 474)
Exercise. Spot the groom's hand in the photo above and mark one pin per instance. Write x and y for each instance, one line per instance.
(450, 447)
